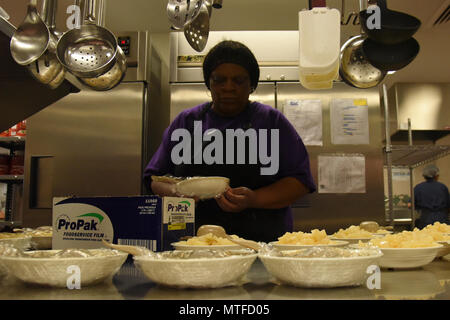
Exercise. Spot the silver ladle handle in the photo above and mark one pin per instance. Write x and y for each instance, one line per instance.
(91, 11)
(87, 8)
(48, 13)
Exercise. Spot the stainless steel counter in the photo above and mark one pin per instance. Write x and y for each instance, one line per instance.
(429, 282)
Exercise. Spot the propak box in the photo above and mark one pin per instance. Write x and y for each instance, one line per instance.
(150, 221)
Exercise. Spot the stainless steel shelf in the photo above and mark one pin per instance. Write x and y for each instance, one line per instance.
(11, 178)
(12, 142)
(417, 155)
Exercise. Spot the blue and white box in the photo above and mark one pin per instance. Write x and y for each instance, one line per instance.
(149, 221)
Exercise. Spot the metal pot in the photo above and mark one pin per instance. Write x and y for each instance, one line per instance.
(91, 52)
(110, 79)
(390, 57)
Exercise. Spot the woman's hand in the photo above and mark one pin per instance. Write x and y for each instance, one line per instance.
(237, 199)
(279, 194)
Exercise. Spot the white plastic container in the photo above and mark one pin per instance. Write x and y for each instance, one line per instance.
(319, 47)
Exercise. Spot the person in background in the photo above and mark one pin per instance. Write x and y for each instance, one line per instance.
(431, 199)
(257, 206)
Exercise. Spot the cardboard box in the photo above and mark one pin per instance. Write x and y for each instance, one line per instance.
(148, 221)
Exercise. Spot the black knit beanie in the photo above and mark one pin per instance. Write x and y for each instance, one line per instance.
(229, 51)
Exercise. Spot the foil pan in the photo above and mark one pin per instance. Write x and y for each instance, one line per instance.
(197, 268)
(41, 237)
(321, 267)
(55, 267)
(22, 242)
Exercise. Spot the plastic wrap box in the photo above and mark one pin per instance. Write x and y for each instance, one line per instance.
(149, 221)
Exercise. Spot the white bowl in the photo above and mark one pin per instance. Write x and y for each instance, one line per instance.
(22, 243)
(41, 243)
(54, 271)
(181, 246)
(320, 272)
(408, 257)
(445, 250)
(196, 272)
(203, 187)
(336, 243)
(352, 240)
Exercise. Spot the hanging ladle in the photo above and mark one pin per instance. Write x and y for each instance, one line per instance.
(355, 69)
(31, 39)
(220, 232)
(92, 53)
(47, 68)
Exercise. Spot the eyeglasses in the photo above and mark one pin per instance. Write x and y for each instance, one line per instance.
(220, 80)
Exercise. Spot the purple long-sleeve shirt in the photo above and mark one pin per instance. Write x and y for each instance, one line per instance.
(293, 156)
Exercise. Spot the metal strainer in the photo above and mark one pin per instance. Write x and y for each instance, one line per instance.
(182, 12)
(355, 69)
(85, 58)
(89, 51)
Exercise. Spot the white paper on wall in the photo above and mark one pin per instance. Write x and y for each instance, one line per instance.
(349, 121)
(344, 173)
(306, 117)
(400, 174)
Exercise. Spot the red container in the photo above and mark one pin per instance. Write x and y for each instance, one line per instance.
(4, 164)
(13, 130)
(16, 166)
(21, 129)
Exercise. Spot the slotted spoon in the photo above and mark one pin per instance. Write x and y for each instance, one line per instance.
(197, 31)
(182, 12)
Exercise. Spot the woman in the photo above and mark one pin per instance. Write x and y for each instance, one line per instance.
(431, 198)
(257, 205)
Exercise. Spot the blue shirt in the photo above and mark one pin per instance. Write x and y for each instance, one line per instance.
(431, 195)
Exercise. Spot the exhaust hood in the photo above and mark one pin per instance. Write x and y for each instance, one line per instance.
(425, 105)
(20, 94)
